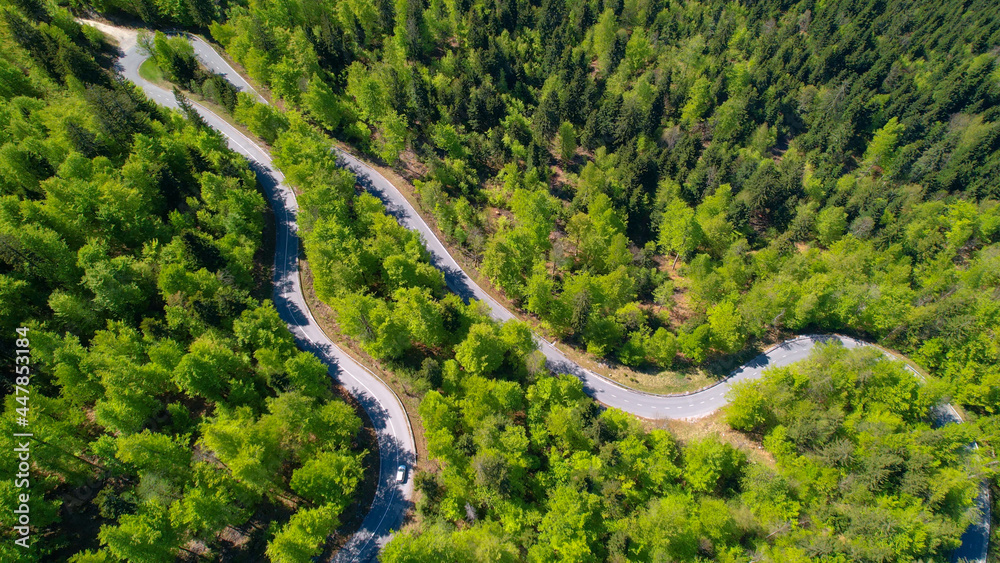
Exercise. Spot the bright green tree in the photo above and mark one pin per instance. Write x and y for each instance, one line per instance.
(303, 536)
(328, 479)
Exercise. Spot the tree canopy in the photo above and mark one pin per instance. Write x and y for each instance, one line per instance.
(162, 381)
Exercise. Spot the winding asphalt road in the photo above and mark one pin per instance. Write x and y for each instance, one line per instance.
(395, 438)
(647, 405)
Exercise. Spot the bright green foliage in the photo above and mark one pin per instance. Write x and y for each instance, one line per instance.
(482, 351)
(421, 314)
(506, 260)
(731, 120)
(731, 161)
(371, 321)
(535, 214)
(440, 422)
(114, 359)
(335, 425)
(838, 425)
(820, 167)
(206, 368)
(328, 479)
(662, 347)
(633, 352)
(153, 453)
(679, 232)
(538, 290)
(694, 345)
(173, 55)
(362, 248)
(698, 100)
(308, 375)
(666, 531)
(769, 497)
(599, 236)
(368, 91)
(263, 120)
(211, 501)
(883, 148)
(303, 535)
(252, 458)
(449, 139)
(118, 284)
(787, 178)
(726, 325)
(129, 237)
(391, 138)
(604, 36)
(570, 528)
(260, 328)
(145, 536)
(831, 223)
(748, 407)
(447, 544)
(566, 141)
(322, 103)
(100, 556)
(712, 216)
(711, 466)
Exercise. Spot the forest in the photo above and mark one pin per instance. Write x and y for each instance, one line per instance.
(853, 472)
(660, 185)
(818, 171)
(175, 416)
(526, 467)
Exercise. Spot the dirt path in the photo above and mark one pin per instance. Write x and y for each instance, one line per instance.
(125, 36)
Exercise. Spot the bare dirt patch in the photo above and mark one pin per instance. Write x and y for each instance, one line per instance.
(124, 36)
(687, 431)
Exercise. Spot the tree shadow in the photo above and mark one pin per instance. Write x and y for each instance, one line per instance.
(389, 507)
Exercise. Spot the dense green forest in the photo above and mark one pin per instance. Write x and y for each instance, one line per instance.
(660, 184)
(780, 141)
(664, 183)
(174, 415)
(854, 472)
(797, 166)
(822, 167)
(525, 466)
